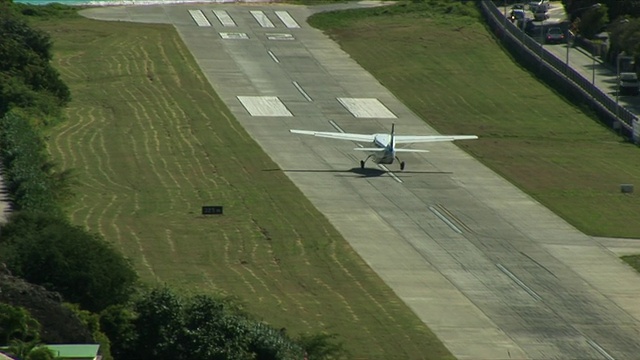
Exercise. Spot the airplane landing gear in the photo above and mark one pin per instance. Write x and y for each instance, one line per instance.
(364, 161)
(401, 164)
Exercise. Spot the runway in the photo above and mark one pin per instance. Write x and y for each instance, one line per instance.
(493, 273)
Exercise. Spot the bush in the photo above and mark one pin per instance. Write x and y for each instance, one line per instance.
(48, 251)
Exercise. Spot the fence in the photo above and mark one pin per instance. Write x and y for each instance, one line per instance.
(557, 72)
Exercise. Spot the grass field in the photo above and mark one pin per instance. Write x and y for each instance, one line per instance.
(151, 143)
(453, 74)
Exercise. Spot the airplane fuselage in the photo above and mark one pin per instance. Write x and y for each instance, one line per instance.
(388, 155)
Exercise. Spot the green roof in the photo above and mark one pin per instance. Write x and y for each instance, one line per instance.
(75, 351)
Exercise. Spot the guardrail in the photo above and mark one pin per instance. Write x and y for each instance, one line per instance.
(557, 71)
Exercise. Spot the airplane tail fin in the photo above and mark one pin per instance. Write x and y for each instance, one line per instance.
(392, 141)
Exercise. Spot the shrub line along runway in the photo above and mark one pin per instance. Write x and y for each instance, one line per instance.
(492, 272)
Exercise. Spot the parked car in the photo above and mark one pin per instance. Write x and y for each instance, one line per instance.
(629, 84)
(554, 36)
(540, 14)
(517, 15)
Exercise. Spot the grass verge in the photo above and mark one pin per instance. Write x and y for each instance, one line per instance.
(452, 73)
(151, 143)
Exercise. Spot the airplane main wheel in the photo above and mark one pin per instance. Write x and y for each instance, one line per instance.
(402, 166)
(361, 164)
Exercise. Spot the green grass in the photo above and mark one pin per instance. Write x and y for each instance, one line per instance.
(151, 143)
(452, 73)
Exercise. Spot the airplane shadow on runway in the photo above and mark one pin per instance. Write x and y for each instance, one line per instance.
(363, 173)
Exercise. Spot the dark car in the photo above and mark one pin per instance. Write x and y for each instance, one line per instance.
(629, 84)
(555, 35)
(517, 15)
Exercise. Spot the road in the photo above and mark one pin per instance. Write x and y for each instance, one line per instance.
(492, 272)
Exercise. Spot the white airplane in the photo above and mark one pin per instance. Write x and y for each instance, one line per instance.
(385, 149)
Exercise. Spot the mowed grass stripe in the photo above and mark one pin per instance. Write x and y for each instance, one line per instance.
(166, 145)
(453, 74)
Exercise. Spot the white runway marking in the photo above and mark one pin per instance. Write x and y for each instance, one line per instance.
(264, 106)
(262, 19)
(199, 18)
(280, 37)
(234, 35)
(301, 90)
(445, 220)
(273, 56)
(599, 349)
(287, 20)
(519, 282)
(366, 108)
(224, 18)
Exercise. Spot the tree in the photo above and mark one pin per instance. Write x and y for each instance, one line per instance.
(163, 325)
(49, 251)
(593, 21)
(17, 324)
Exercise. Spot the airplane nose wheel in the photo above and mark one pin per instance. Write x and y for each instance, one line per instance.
(402, 166)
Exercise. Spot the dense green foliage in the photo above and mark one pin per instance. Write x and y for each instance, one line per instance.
(40, 245)
(17, 323)
(21, 332)
(163, 325)
(85, 269)
(28, 175)
(27, 79)
(615, 8)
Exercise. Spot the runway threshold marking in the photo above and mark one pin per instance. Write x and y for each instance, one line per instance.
(262, 19)
(224, 18)
(199, 18)
(280, 37)
(386, 169)
(234, 35)
(599, 349)
(301, 90)
(524, 287)
(445, 220)
(287, 20)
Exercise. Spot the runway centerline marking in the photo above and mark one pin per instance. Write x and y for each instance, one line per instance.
(445, 220)
(273, 56)
(394, 176)
(519, 282)
(301, 90)
(599, 349)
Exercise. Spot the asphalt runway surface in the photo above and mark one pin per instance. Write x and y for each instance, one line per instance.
(493, 273)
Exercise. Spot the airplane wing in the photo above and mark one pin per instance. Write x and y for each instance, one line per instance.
(336, 135)
(407, 139)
